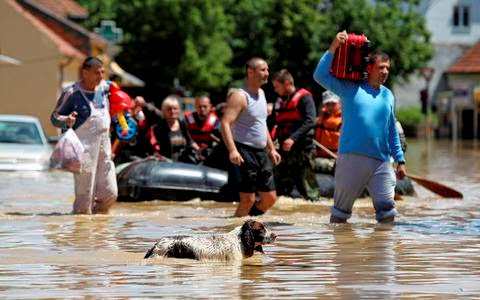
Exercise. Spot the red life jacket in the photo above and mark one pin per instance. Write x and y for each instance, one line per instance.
(152, 139)
(327, 132)
(201, 135)
(287, 116)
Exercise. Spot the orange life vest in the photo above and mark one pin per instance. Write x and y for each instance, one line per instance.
(287, 116)
(327, 131)
(201, 135)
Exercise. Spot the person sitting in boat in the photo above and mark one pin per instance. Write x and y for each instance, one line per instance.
(169, 138)
(218, 158)
(327, 132)
(203, 125)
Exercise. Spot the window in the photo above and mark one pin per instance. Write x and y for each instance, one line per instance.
(461, 16)
(19, 132)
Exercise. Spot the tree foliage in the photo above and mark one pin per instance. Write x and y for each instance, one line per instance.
(168, 40)
(280, 31)
(391, 25)
(205, 43)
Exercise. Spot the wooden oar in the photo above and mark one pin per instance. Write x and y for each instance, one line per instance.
(329, 152)
(433, 186)
(436, 187)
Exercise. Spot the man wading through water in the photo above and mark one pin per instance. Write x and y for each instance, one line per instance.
(369, 136)
(83, 106)
(245, 133)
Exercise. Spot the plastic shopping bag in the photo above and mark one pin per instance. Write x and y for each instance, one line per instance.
(68, 153)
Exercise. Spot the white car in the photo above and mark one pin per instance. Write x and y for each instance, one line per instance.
(23, 145)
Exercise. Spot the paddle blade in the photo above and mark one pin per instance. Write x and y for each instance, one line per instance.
(436, 187)
(397, 197)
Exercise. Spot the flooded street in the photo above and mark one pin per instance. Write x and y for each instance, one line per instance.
(432, 251)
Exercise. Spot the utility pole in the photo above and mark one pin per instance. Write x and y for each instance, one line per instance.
(427, 74)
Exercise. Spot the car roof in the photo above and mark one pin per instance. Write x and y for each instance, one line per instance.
(24, 118)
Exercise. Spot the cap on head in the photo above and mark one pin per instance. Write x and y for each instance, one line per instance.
(329, 97)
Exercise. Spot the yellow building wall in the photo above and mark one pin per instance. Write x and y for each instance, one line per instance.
(70, 72)
(32, 87)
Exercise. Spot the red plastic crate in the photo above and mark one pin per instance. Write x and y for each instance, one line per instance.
(351, 57)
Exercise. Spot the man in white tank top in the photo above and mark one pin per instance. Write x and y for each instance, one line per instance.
(245, 133)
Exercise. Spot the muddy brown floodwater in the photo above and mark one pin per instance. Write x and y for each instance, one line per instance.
(432, 250)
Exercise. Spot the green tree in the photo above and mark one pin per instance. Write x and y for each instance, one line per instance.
(169, 39)
(293, 34)
(252, 35)
(391, 25)
(204, 64)
(282, 32)
(98, 11)
(205, 43)
(279, 30)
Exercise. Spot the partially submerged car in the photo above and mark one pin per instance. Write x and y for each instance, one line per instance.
(23, 144)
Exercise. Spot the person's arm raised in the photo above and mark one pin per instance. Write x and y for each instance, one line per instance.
(322, 72)
(339, 39)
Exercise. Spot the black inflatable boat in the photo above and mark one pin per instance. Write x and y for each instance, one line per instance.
(150, 179)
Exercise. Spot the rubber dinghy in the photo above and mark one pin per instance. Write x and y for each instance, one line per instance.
(150, 179)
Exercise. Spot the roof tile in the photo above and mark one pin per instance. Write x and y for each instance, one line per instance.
(63, 8)
(468, 63)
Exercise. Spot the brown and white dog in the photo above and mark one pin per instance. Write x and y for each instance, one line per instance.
(237, 244)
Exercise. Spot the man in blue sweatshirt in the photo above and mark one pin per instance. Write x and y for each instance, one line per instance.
(368, 138)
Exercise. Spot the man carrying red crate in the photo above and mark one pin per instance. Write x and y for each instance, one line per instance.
(369, 136)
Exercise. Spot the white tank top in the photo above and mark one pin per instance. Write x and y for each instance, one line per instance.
(250, 128)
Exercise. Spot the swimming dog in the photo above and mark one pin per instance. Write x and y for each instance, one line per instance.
(237, 244)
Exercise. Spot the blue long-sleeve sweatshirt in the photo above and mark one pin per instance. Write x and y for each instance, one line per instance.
(368, 125)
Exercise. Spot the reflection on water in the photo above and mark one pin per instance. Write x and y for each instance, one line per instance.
(431, 251)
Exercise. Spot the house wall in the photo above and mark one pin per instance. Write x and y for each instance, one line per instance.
(439, 17)
(450, 44)
(70, 72)
(34, 86)
(471, 80)
(408, 93)
(466, 82)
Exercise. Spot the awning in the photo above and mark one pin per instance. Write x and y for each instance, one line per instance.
(127, 79)
(7, 60)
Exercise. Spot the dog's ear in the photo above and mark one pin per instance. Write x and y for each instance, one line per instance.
(151, 252)
(247, 237)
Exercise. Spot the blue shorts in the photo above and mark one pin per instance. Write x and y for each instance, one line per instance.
(256, 171)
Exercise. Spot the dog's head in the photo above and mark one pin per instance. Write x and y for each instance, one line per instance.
(253, 235)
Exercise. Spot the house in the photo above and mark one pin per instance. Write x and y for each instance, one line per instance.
(455, 28)
(462, 104)
(42, 49)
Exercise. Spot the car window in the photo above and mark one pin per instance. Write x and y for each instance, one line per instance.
(19, 132)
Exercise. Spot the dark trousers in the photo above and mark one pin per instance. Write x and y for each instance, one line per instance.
(297, 170)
